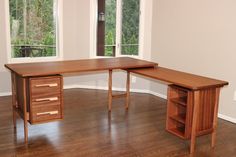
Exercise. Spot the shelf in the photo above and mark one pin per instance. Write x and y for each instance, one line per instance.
(178, 132)
(179, 118)
(181, 100)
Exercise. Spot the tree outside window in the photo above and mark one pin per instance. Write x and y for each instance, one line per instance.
(127, 42)
(33, 28)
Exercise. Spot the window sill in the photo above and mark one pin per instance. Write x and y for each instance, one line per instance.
(34, 59)
(132, 56)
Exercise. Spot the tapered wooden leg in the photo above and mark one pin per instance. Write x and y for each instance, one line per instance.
(110, 91)
(25, 112)
(215, 118)
(13, 83)
(26, 130)
(195, 120)
(127, 90)
(14, 118)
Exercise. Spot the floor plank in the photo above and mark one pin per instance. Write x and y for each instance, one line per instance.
(88, 130)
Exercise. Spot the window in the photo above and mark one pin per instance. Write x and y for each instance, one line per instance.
(118, 27)
(33, 28)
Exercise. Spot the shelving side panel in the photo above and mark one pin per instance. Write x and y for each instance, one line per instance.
(206, 110)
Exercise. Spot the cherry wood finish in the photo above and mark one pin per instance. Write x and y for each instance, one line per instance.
(213, 136)
(181, 106)
(37, 103)
(127, 90)
(200, 97)
(38, 87)
(182, 79)
(195, 120)
(74, 66)
(192, 102)
(25, 113)
(46, 99)
(110, 90)
(126, 94)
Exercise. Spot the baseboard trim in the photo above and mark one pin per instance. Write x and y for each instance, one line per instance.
(227, 118)
(221, 116)
(116, 89)
(5, 94)
(158, 94)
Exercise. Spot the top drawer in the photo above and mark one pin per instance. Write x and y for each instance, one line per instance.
(42, 85)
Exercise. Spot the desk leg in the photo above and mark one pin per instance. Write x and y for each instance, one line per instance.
(195, 120)
(215, 118)
(25, 111)
(127, 90)
(110, 91)
(14, 103)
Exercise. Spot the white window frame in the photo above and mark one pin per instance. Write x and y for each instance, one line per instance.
(59, 43)
(93, 30)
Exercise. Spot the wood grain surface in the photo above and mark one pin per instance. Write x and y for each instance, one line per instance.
(73, 66)
(187, 80)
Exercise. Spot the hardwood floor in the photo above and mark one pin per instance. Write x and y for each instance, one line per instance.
(88, 130)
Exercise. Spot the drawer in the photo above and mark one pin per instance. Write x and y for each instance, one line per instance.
(46, 100)
(46, 113)
(42, 85)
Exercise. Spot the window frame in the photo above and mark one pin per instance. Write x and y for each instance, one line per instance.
(93, 30)
(59, 42)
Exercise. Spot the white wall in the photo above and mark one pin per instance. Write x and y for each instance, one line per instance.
(198, 37)
(4, 75)
(76, 29)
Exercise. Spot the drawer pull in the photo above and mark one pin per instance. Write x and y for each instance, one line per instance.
(47, 85)
(47, 113)
(47, 99)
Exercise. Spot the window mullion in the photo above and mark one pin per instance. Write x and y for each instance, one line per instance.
(118, 27)
(25, 20)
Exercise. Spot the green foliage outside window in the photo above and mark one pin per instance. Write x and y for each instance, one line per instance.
(33, 25)
(130, 27)
(110, 27)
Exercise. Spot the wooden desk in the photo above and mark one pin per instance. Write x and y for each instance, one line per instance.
(192, 102)
(38, 94)
(37, 88)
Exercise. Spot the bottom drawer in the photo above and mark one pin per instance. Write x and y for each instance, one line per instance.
(45, 113)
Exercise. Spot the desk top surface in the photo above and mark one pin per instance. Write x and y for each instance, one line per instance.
(187, 80)
(73, 66)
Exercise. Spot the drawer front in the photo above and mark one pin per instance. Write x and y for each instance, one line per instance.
(46, 113)
(41, 86)
(46, 100)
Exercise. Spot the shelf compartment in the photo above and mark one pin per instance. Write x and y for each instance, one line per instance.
(180, 100)
(176, 128)
(179, 118)
(178, 132)
(177, 111)
(177, 92)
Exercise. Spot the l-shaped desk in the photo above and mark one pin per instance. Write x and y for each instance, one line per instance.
(192, 106)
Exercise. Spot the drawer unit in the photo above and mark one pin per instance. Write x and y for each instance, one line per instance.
(46, 99)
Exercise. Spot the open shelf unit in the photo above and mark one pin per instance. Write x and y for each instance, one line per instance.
(180, 111)
(177, 111)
